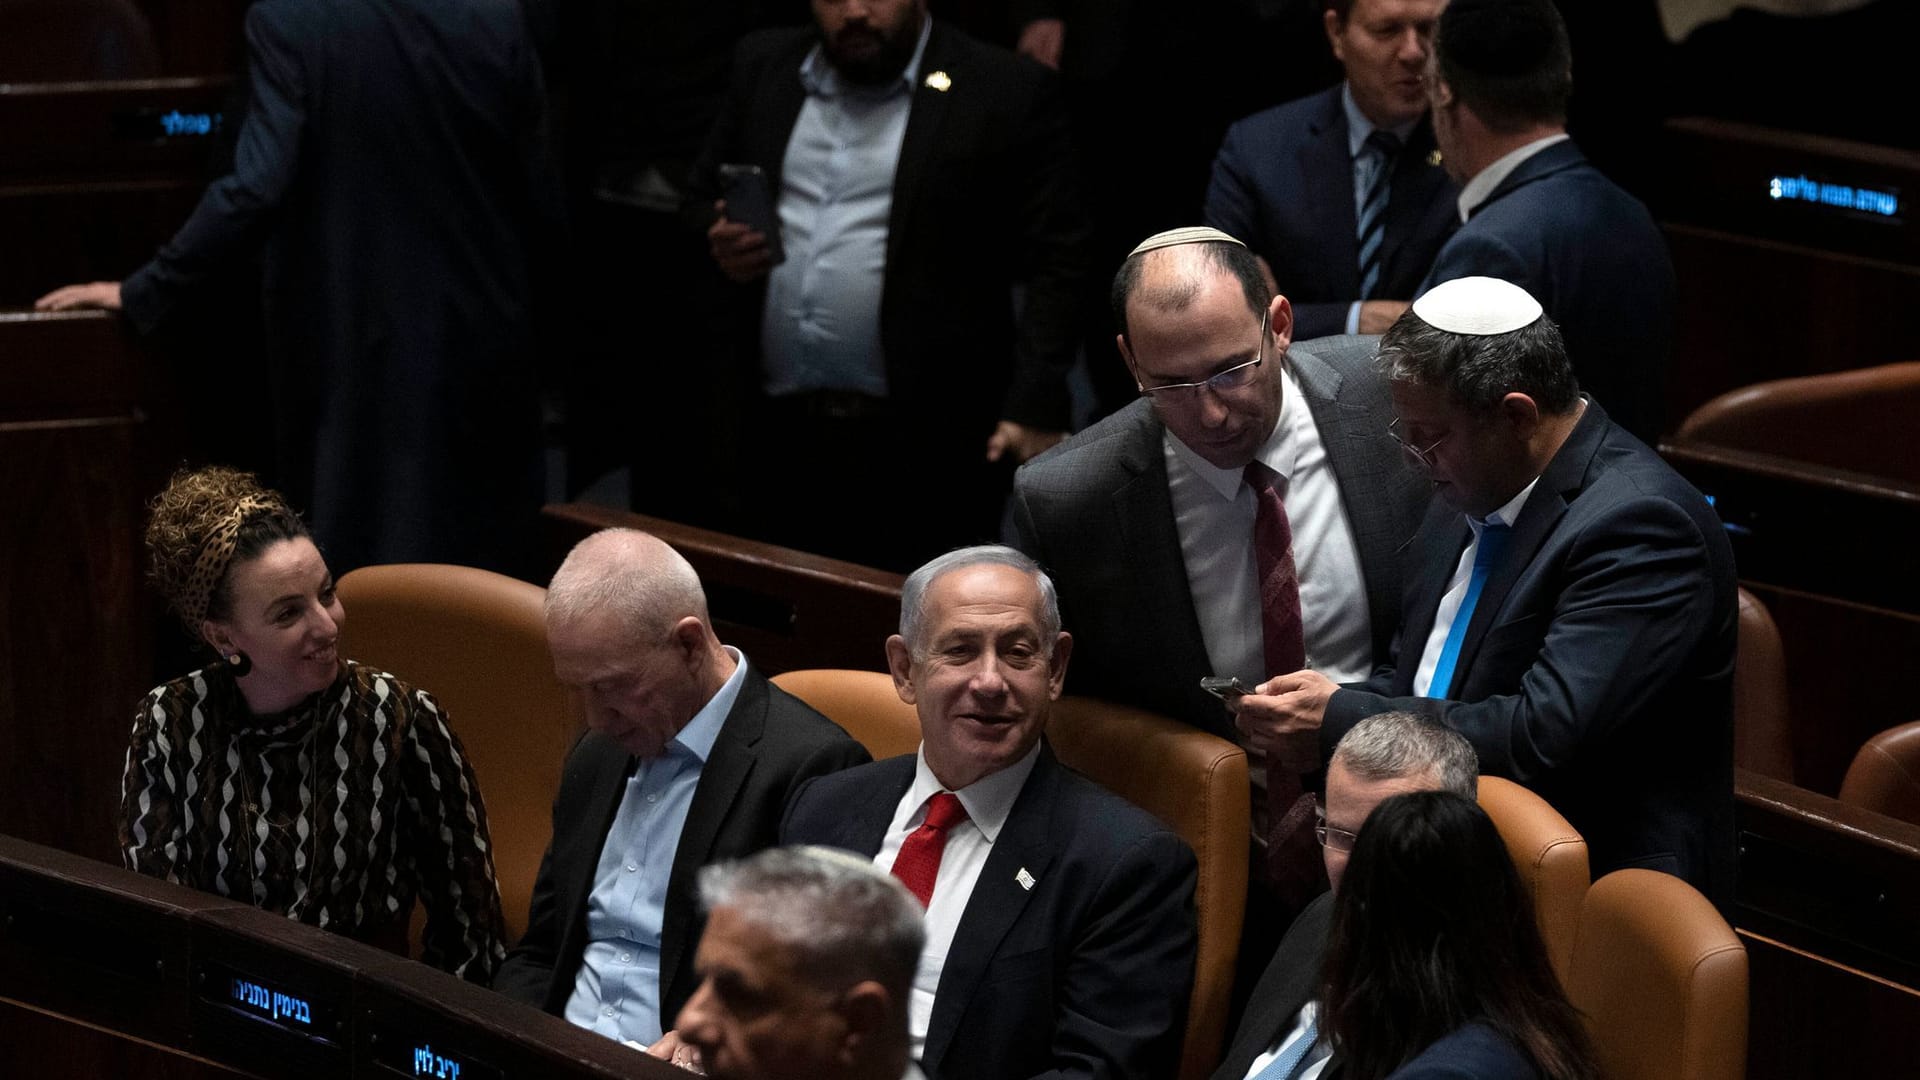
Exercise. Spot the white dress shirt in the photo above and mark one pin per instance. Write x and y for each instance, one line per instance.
(1358, 129)
(1457, 589)
(1477, 189)
(987, 801)
(1213, 510)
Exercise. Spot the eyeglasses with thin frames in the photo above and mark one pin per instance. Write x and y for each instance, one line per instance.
(1220, 382)
(1330, 838)
(1421, 456)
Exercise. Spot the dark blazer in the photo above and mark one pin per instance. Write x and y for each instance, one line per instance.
(1096, 513)
(1283, 183)
(982, 199)
(392, 178)
(769, 745)
(1591, 254)
(1289, 982)
(1598, 666)
(1088, 973)
(1473, 1052)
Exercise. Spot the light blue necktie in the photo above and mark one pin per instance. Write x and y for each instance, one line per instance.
(1493, 541)
(1282, 1067)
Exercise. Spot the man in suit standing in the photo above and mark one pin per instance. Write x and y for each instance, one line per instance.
(1245, 462)
(689, 757)
(1537, 214)
(917, 177)
(1382, 756)
(1341, 193)
(1572, 608)
(1060, 923)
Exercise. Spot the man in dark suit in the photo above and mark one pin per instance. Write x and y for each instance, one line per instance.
(917, 177)
(391, 177)
(1060, 924)
(1572, 608)
(1152, 521)
(1538, 215)
(1382, 756)
(1341, 192)
(690, 756)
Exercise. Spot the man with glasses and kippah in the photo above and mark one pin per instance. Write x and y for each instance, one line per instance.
(1571, 606)
(1247, 512)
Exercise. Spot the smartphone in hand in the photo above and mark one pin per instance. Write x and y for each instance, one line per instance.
(1224, 687)
(749, 198)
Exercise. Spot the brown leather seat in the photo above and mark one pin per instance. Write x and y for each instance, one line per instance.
(477, 641)
(1195, 782)
(1662, 980)
(1551, 858)
(863, 702)
(1885, 774)
(1762, 733)
(1857, 420)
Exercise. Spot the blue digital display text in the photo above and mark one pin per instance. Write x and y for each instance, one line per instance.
(439, 1066)
(272, 1004)
(1839, 196)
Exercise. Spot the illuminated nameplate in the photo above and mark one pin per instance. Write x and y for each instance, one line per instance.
(1864, 200)
(269, 1002)
(149, 124)
(408, 1056)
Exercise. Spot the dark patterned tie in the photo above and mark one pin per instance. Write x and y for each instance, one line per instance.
(1293, 856)
(918, 864)
(1381, 149)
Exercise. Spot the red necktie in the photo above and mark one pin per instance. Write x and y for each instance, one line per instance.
(918, 864)
(1293, 857)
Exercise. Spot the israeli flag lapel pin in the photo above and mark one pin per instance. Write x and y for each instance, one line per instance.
(940, 81)
(1025, 879)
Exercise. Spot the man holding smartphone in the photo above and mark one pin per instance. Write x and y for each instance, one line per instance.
(911, 179)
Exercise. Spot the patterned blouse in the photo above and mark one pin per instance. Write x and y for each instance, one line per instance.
(336, 813)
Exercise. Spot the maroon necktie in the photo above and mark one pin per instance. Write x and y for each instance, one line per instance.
(918, 864)
(1293, 858)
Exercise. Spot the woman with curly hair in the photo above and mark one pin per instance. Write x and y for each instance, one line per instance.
(1434, 966)
(281, 774)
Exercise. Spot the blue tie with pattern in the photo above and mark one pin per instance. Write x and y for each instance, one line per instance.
(1493, 541)
(1378, 154)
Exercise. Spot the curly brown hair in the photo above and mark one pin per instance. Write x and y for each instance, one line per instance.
(205, 522)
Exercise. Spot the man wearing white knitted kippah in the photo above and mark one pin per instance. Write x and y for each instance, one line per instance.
(1572, 604)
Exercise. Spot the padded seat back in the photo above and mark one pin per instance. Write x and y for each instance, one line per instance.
(477, 641)
(1858, 420)
(1193, 781)
(1662, 980)
(1551, 859)
(1762, 730)
(1885, 774)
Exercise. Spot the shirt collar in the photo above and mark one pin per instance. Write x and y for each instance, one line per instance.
(1481, 186)
(1359, 127)
(987, 800)
(822, 79)
(698, 736)
(1281, 451)
(1508, 513)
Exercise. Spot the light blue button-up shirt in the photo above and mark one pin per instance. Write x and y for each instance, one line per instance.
(820, 329)
(617, 992)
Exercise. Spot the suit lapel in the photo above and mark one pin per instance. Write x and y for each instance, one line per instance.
(1336, 226)
(605, 787)
(721, 779)
(1559, 485)
(997, 902)
(1415, 180)
(781, 98)
(918, 143)
(1143, 518)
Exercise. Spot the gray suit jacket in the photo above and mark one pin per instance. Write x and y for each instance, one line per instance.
(1096, 513)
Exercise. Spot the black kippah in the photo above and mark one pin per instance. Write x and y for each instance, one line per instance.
(1498, 37)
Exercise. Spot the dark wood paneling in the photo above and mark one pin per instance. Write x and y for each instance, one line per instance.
(47, 1046)
(1811, 1017)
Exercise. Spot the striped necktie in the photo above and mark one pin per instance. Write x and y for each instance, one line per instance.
(1376, 163)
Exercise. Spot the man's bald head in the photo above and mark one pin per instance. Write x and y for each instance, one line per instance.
(1170, 278)
(632, 574)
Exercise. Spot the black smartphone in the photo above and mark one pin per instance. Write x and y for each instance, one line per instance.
(750, 202)
(1224, 686)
